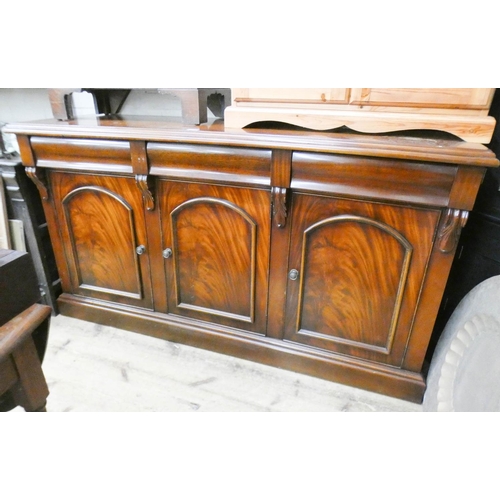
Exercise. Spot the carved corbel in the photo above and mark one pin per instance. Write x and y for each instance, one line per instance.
(143, 184)
(29, 161)
(279, 206)
(38, 177)
(139, 158)
(281, 172)
(451, 227)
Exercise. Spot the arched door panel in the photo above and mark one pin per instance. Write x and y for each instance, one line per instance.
(359, 270)
(102, 228)
(219, 242)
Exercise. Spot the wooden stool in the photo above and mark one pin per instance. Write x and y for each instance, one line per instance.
(20, 367)
(24, 325)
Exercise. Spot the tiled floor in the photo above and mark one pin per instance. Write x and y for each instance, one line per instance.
(90, 367)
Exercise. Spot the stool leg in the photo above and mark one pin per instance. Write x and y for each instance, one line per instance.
(32, 388)
(43, 408)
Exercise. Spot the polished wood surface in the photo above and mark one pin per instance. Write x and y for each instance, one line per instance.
(417, 146)
(212, 164)
(415, 183)
(68, 153)
(322, 253)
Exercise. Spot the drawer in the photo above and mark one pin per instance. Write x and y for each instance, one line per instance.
(366, 178)
(82, 154)
(210, 163)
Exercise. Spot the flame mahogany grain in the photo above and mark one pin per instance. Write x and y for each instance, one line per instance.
(324, 253)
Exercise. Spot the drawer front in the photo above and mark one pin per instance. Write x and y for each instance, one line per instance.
(82, 154)
(348, 176)
(224, 165)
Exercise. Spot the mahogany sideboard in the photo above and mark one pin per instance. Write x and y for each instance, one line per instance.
(322, 253)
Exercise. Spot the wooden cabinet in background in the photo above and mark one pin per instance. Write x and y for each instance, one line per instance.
(317, 252)
(462, 112)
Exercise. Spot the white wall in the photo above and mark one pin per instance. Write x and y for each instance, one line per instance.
(20, 105)
(33, 104)
(24, 105)
(150, 102)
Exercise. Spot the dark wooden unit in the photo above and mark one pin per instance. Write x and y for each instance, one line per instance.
(324, 253)
(23, 203)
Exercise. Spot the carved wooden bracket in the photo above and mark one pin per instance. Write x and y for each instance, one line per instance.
(279, 206)
(147, 196)
(451, 227)
(38, 177)
(140, 166)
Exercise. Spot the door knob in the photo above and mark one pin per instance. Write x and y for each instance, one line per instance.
(167, 253)
(140, 249)
(293, 274)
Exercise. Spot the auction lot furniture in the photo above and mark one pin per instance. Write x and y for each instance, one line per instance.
(323, 253)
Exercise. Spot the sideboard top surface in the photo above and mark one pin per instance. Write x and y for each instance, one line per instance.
(431, 147)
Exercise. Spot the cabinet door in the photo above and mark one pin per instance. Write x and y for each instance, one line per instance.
(102, 228)
(217, 253)
(359, 269)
